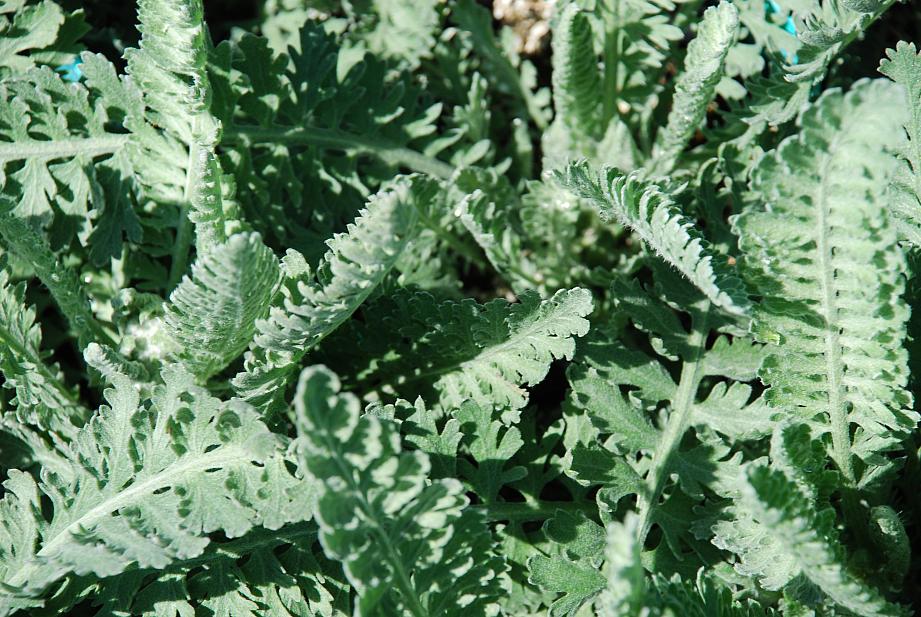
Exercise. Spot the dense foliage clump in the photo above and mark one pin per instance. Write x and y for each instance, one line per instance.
(389, 308)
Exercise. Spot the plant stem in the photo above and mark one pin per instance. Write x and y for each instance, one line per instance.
(339, 140)
(678, 422)
(523, 511)
(613, 42)
(184, 232)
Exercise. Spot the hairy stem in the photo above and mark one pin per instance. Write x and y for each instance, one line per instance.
(339, 140)
(613, 49)
(677, 426)
(183, 243)
(524, 511)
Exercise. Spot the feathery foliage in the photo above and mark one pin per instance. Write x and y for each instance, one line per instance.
(379, 517)
(703, 70)
(903, 66)
(145, 487)
(312, 306)
(433, 308)
(211, 316)
(655, 218)
(807, 244)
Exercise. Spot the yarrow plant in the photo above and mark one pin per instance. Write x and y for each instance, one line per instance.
(353, 308)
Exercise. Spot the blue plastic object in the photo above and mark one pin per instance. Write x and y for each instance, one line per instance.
(71, 72)
(771, 7)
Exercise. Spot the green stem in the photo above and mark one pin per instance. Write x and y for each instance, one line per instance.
(468, 251)
(613, 43)
(525, 511)
(678, 422)
(339, 140)
(184, 231)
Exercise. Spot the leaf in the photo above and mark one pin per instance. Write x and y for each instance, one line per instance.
(492, 446)
(62, 282)
(30, 29)
(43, 400)
(727, 410)
(805, 539)
(177, 153)
(903, 66)
(807, 236)
(658, 221)
(624, 592)
(55, 135)
(489, 210)
(578, 583)
(458, 351)
(403, 30)
(703, 69)
(211, 316)
(576, 84)
(312, 306)
(407, 546)
(148, 485)
(511, 77)
(420, 428)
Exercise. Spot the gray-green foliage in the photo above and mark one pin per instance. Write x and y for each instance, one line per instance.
(703, 70)
(615, 323)
(311, 305)
(145, 486)
(380, 517)
(658, 221)
(211, 316)
(903, 65)
(807, 239)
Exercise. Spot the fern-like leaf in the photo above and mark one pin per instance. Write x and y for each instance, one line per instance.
(312, 306)
(903, 66)
(576, 84)
(807, 541)
(147, 486)
(818, 216)
(624, 593)
(826, 31)
(454, 351)
(42, 399)
(62, 282)
(703, 70)
(658, 221)
(64, 165)
(37, 33)
(169, 67)
(212, 315)
(408, 546)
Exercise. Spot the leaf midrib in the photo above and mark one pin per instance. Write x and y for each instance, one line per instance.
(61, 148)
(841, 443)
(216, 458)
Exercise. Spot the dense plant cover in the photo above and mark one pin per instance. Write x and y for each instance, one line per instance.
(354, 309)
